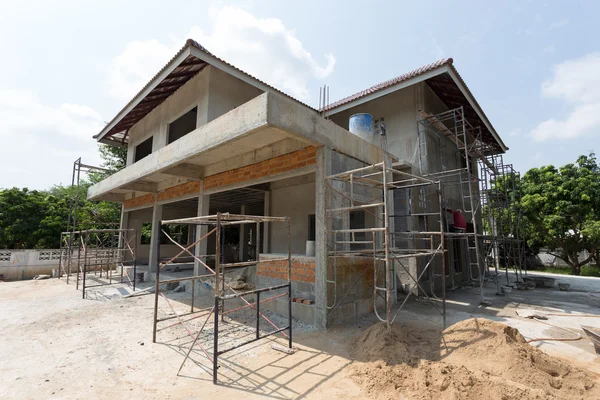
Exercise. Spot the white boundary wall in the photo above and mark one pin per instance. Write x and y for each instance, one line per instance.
(25, 264)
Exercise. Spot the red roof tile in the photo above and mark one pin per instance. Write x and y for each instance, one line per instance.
(388, 83)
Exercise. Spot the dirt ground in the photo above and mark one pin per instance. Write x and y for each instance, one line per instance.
(56, 345)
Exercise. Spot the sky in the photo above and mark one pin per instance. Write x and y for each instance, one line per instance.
(68, 67)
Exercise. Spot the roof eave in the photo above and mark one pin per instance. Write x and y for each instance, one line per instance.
(239, 74)
(471, 99)
(383, 92)
(178, 59)
(447, 68)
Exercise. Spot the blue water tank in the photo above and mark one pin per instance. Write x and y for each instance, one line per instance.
(361, 125)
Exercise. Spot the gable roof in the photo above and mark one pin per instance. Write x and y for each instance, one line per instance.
(189, 61)
(440, 76)
(388, 83)
(444, 80)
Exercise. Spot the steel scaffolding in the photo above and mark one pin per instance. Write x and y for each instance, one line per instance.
(98, 251)
(458, 169)
(484, 188)
(370, 189)
(71, 240)
(221, 289)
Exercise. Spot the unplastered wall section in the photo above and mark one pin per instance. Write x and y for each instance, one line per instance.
(399, 110)
(193, 94)
(227, 93)
(137, 218)
(294, 197)
(443, 155)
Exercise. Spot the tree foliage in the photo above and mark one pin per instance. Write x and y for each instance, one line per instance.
(35, 218)
(561, 210)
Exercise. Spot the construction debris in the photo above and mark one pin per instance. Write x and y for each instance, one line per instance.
(286, 350)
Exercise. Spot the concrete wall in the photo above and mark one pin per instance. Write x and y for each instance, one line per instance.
(211, 90)
(294, 197)
(226, 93)
(352, 293)
(137, 218)
(399, 110)
(25, 264)
(193, 94)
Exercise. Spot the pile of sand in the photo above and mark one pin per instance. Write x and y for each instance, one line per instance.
(473, 359)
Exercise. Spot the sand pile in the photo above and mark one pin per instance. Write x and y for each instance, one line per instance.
(473, 359)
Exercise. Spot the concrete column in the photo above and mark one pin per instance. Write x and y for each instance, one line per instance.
(160, 138)
(266, 233)
(391, 228)
(243, 243)
(201, 230)
(323, 170)
(124, 224)
(155, 238)
(130, 154)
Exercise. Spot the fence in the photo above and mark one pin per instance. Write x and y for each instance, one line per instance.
(25, 264)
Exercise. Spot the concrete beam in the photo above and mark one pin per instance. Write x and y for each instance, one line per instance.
(239, 122)
(276, 149)
(113, 197)
(140, 186)
(268, 110)
(185, 170)
(286, 115)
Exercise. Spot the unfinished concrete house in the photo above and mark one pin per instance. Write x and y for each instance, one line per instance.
(370, 184)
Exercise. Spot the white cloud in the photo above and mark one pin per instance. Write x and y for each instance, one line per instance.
(21, 111)
(136, 65)
(577, 84)
(39, 142)
(263, 47)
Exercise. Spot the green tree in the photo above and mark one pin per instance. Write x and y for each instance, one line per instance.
(35, 219)
(561, 207)
(113, 159)
(20, 212)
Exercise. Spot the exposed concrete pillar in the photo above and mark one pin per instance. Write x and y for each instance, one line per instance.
(201, 230)
(391, 228)
(323, 170)
(124, 224)
(124, 218)
(155, 238)
(130, 154)
(160, 138)
(266, 235)
(243, 243)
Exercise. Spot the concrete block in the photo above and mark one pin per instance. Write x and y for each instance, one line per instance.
(304, 312)
(364, 307)
(342, 313)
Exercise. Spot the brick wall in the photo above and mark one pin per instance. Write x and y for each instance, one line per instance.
(179, 190)
(139, 201)
(272, 166)
(169, 193)
(302, 271)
